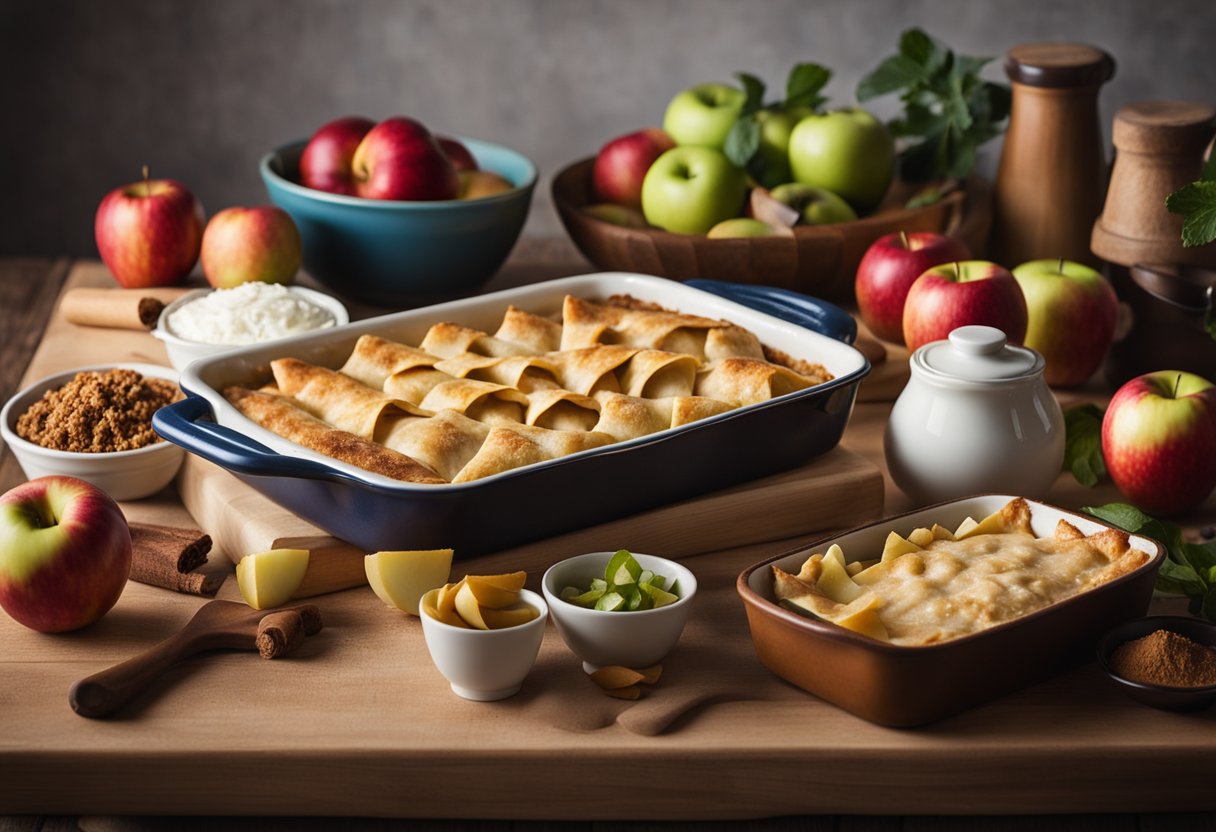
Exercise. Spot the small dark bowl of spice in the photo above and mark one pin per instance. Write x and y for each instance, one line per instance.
(95, 423)
(1166, 661)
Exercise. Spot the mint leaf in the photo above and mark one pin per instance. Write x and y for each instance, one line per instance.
(753, 88)
(1180, 579)
(802, 88)
(1209, 168)
(743, 140)
(923, 199)
(1083, 445)
(1197, 204)
(918, 47)
(1127, 517)
(892, 75)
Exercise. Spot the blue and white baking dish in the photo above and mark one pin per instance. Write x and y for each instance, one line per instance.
(548, 498)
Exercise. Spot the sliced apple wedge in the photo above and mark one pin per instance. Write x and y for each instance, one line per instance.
(269, 579)
(400, 578)
(496, 591)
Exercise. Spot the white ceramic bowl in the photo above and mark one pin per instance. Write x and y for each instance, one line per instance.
(184, 350)
(124, 475)
(631, 639)
(484, 665)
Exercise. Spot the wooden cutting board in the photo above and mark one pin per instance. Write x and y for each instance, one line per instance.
(837, 490)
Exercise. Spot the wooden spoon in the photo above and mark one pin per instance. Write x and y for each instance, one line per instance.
(216, 625)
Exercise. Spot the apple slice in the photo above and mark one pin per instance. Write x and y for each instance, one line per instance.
(496, 591)
(401, 578)
(509, 617)
(897, 545)
(269, 579)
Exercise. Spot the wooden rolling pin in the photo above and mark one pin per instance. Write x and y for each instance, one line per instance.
(117, 308)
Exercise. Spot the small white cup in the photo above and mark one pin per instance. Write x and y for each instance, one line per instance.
(484, 665)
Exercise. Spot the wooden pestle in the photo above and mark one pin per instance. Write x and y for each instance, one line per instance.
(216, 625)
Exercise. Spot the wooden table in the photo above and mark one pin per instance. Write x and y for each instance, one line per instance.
(1070, 744)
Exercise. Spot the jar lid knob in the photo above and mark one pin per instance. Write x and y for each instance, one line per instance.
(977, 340)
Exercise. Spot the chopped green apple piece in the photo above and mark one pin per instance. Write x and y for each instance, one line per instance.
(626, 586)
(610, 601)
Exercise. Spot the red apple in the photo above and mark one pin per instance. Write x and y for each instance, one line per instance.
(148, 233)
(622, 163)
(1159, 441)
(889, 268)
(457, 154)
(65, 553)
(246, 244)
(400, 159)
(1071, 317)
(326, 161)
(959, 294)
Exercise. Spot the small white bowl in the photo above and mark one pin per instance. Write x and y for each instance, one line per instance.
(184, 350)
(124, 475)
(631, 639)
(484, 665)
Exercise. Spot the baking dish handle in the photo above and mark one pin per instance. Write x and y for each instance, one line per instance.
(805, 311)
(187, 424)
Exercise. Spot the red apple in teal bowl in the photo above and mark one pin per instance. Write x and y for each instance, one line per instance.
(1071, 312)
(971, 292)
(148, 233)
(1159, 441)
(242, 245)
(889, 268)
(621, 165)
(326, 161)
(689, 190)
(65, 553)
(703, 115)
(399, 159)
(848, 152)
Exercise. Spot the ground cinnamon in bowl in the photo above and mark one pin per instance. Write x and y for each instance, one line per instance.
(1166, 658)
(98, 412)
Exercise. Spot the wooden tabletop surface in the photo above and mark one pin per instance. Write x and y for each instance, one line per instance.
(1126, 746)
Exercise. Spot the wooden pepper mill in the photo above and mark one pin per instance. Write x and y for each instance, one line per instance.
(1158, 149)
(1051, 178)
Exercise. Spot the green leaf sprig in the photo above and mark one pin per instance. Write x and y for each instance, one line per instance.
(1083, 444)
(949, 111)
(1188, 569)
(1196, 203)
(803, 92)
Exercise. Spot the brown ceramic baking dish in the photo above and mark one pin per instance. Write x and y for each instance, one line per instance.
(905, 686)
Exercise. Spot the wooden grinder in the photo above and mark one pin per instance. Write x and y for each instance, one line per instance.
(1051, 178)
(1159, 148)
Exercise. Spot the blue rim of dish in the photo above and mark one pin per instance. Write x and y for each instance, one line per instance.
(475, 146)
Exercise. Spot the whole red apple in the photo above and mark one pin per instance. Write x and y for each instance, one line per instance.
(1159, 441)
(246, 244)
(326, 161)
(960, 294)
(149, 232)
(1071, 313)
(457, 154)
(65, 553)
(889, 268)
(622, 163)
(400, 159)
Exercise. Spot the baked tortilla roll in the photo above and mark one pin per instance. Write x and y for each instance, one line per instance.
(656, 374)
(484, 401)
(281, 417)
(585, 323)
(590, 369)
(628, 417)
(513, 447)
(743, 381)
(727, 341)
(685, 409)
(340, 400)
(558, 409)
(535, 333)
(375, 359)
(525, 372)
(445, 442)
(448, 340)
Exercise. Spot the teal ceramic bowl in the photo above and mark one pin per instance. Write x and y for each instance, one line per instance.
(393, 253)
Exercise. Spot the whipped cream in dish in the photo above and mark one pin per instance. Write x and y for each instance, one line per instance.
(247, 314)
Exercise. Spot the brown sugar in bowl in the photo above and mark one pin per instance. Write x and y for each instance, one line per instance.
(1160, 696)
(818, 260)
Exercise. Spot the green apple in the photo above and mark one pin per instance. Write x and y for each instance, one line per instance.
(689, 190)
(849, 152)
(621, 215)
(743, 227)
(703, 115)
(774, 151)
(816, 206)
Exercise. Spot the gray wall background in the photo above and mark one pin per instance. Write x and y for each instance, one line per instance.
(90, 90)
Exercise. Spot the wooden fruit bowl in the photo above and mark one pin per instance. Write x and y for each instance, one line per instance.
(817, 260)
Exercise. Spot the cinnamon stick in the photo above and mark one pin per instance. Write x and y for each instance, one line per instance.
(117, 308)
(167, 557)
(279, 633)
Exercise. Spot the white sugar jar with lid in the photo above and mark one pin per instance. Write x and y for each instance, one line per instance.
(976, 417)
